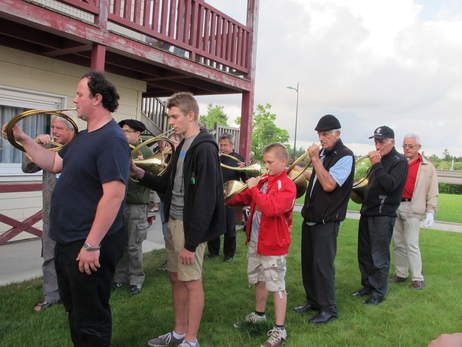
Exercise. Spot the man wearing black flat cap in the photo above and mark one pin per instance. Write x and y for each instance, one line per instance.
(130, 270)
(325, 207)
(382, 197)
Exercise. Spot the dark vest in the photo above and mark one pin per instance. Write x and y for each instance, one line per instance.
(324, 207)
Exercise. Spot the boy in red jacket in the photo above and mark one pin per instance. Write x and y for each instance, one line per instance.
(271, 198)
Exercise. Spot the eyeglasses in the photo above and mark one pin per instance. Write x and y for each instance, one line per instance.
(409, 146)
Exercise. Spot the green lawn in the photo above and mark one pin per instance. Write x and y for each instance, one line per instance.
(448, 209)
(406, 318)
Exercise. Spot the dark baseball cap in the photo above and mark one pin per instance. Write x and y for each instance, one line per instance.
(383, 132)
(134, 124)
(328, 122)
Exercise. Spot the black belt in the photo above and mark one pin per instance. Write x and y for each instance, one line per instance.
(406, 199)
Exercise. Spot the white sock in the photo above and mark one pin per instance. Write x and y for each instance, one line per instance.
(178, 336)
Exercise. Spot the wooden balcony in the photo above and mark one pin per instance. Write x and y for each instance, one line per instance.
(171, 44)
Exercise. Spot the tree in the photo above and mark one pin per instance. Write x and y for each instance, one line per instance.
(215, 115)
(446, 155)
(265, 130)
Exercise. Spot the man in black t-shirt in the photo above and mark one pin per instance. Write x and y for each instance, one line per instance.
(86, 209)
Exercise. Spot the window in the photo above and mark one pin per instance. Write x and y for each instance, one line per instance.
(12, 102)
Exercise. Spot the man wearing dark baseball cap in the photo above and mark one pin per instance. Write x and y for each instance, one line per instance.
(133, 124)
(129, 270)
(324, 208)
(382, 197)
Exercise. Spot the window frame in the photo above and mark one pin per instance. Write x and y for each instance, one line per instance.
(31, 99)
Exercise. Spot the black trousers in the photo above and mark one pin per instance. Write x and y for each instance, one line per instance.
(86, 297)
(374, 239)
(319, 247)
(229, 244)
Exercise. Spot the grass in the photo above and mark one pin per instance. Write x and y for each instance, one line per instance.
(405, 318)
(448, 208)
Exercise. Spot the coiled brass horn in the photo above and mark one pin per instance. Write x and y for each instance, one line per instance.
(58, 113)
(297, 175)
(361, 179)
(233, 187)
(159, 162)
(252, 170)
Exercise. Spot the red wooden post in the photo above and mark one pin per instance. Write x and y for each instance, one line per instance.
(248, 96)
(98, 52)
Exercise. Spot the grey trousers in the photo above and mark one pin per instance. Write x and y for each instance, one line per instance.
(130, 270)
(50, 282)
(406, 241)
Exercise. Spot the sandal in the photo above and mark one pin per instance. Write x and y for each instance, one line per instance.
(41, 306)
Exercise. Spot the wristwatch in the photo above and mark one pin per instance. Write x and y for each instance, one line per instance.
(91, 248)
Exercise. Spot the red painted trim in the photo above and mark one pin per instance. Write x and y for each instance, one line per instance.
(20, 187)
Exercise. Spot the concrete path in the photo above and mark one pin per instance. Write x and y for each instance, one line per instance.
(21, 261)
(438, 225)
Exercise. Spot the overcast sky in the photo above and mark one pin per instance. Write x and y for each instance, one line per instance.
(369, 62)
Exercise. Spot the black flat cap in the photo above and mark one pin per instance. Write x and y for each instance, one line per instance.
(328, 122)
(382, 133)
(134, 124)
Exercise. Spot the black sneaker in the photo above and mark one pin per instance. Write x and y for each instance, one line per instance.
(228, 259)
(134, 289)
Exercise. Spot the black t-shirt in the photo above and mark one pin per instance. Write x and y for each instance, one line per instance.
(90, 160)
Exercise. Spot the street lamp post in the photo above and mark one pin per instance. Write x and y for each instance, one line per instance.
(296, 117)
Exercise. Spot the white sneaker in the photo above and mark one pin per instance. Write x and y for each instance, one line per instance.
(252, 318)
(277, 338)
(164, 340)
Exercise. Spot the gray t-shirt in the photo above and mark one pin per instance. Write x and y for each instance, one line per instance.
(257, 217)
(177, 204)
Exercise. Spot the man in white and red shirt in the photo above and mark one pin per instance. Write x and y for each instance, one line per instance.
(418, 202)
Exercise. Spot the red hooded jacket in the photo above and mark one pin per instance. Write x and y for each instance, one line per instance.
(276, 206)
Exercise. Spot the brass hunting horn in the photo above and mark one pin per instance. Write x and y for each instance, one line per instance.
(361, 178)
(58, 113)
(297, 175)
(232, 188)
(158, 163)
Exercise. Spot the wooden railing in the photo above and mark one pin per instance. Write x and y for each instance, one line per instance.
(194, 28)
(155, 110)
(18, 226)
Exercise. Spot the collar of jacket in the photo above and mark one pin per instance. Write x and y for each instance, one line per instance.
(270, 178)
(337, 145)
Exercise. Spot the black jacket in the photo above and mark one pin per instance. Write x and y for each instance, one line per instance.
(325, 207)
(382, 195)
(228, 174)
(204, 209)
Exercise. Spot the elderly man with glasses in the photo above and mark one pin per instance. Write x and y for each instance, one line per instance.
(418, 202)
(378, 213)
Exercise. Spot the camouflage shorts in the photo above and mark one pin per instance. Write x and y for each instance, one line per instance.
(268, 269)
